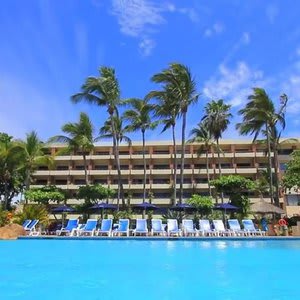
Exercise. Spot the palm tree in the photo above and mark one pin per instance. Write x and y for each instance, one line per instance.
(79, 138)
(139, 118)
(216, 119)
(178, 79)
(167, 111)
(201, 134)
(260, 117)
(104, 91)
(33, 155)
(106, 132)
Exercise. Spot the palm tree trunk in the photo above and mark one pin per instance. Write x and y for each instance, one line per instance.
(220, 169)
(145, 174)
(270, 165)
(27, 183)
(174, 165)
(182, 154)
(207, 172)
(85, 169)
(276, 179)
(117, 161)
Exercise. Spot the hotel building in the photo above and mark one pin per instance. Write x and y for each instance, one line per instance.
(240, 157)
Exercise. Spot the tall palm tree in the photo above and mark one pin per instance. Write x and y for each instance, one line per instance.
(261, 117)
(202, 135)
(167, 111)
(104, 91)
(140, 118)
(216, 119)
(106, 132)
(33, 155)
(178, 79)
(79, 138)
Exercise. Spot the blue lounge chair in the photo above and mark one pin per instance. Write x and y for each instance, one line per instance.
(188, 227)
(172, 228)
(220, 228)
(89, 228)
(141, 227)
(26, 223)
(106, 227)
(235, 227)
(250, 229)
(72, 224)
(205, 228)
(30, 229)
(123, 227)
(157, 227)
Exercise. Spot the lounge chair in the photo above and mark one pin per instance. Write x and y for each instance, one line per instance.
(106, 227)
(172, 228)
(89, 228)
(235, 227)
(157, 227)
(141, 227)
(72, 224)
(220, 228)
(123, 227)
(250, 229)
(26, 223)
(205, 228)
(188, 228)
(30, 229)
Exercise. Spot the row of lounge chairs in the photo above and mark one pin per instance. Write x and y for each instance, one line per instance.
(188, 228)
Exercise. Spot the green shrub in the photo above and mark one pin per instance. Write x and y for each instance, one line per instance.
(31, 212)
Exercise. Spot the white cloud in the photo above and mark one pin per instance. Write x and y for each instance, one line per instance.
(217, 28)
(246, 38)
(233, 85)
(142, 18)
(146, 46)
(272, 12)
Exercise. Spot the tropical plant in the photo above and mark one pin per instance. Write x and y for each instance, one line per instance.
(33, 152)
(122, 214)
(167, 111)
(201, 134)
(11, 170)
(203, 204)
(291, 178)
(33, 212)
(178, 79)
(261, 117)
(236, 187)
(104, 91)
(92, 194)
(45, 194)
(4, 217)
(172, 214)
(120, 132)
(139, 118)
(80, 138)
(216, 120)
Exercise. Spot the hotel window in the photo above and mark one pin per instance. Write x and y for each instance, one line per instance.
(140, 152)
(186, 166)
(79, 167)
(243, 150)
(201, 180)
(199, 166)
(224, 166)
(100, 181)
(61, 182)
(79, 181)
(161, 181)
(101, 167)
(124, 152)
(161, 167)
(43, 168)
(62, 168)
(185, 180)
(139, 167)
(162, 195)
(124, 167)
(161, 152)
(285, 151)
(139, 181)
(102, 152)
(244, 165)
(42, 182)
(124, 181)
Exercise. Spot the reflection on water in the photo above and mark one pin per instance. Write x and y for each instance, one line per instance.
(221, 245)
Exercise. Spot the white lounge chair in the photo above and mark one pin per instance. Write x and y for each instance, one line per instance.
(123, 228)
(172, 228)
(188, 228)
(26, 223)
(141, 227)
(205, 228)
(89, 228)
(106, 227)
(235, 227)
(157, 227)
(220, 228)
(31, 228)
(250, 229)
(72, 223)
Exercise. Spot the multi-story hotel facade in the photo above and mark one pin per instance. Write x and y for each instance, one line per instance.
(237, 157)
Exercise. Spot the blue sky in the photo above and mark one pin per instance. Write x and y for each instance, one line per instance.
(48, 48)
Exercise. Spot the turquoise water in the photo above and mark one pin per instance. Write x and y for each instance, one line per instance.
(123, 269)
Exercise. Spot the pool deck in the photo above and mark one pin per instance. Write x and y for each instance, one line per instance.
(163, 238)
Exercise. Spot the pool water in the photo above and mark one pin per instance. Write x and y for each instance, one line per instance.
(129, 269)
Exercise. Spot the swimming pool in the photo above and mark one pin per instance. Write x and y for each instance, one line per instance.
(130, 269)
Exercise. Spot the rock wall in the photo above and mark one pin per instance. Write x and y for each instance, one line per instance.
(11, 232)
